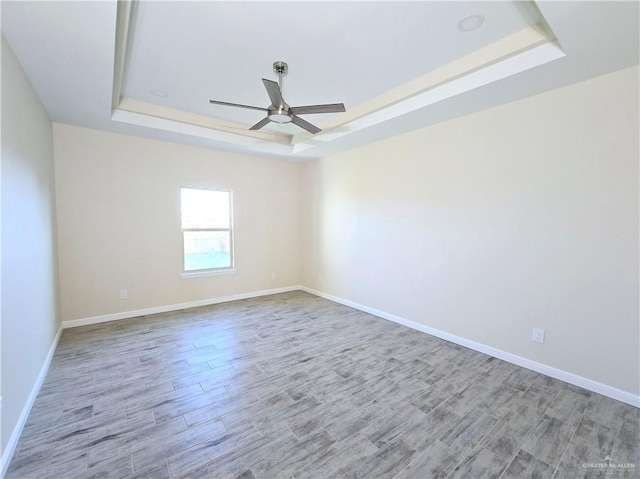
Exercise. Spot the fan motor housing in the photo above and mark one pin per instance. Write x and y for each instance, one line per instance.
(280, 67)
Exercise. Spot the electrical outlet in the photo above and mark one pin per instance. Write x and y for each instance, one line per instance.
(273, 276)
(537, 335)
(124, 294)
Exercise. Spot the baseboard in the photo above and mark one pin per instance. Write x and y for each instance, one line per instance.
(73, 323)
(560, 374)
(589, 384)
(22, 420)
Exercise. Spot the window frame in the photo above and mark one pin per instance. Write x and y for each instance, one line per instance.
(208, 271)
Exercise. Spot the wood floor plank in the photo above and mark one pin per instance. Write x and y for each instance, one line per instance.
(207, 451)
(549, 439)
(524, 465)
(481, 464)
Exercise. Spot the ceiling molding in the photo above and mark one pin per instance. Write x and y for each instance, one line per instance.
(475, 78)
(123, 22)
(519, 52)
(169, 125)
(496, 52)
(153, 110)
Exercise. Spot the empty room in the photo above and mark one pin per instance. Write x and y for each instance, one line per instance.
(308, 239)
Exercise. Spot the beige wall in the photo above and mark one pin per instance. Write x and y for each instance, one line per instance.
(521, 216)
(29, 272)
(119, 221)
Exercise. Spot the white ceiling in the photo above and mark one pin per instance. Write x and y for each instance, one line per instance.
(396, 66)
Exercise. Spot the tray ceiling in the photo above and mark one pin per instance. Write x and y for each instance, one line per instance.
(150, 68)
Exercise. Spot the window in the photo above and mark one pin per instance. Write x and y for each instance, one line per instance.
(206, 229)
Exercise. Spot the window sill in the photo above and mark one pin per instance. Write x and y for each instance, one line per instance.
(206, 272)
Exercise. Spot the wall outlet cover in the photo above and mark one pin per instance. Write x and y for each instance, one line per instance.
(537, 335)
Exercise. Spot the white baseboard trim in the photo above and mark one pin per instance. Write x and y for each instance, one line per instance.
(7, 454)
(73, 323)
(556, 373)
(589, 384)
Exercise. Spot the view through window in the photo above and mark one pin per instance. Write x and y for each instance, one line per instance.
(206, 229)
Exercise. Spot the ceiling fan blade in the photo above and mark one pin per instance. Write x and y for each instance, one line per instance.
(238, 105)
(273, 89)
(329, 108)
(296, 120)
(260, 124)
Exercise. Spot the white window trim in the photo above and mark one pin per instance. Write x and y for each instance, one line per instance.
(206, 272)
(214, 271)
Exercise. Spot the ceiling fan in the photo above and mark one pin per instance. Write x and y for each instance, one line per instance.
(280, 111)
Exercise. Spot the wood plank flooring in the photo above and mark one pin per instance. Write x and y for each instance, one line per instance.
(294, 386)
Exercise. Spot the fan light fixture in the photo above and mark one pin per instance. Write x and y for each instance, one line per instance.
(279, 116)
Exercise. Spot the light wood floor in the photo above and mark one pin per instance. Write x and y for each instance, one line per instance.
(292, 385)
